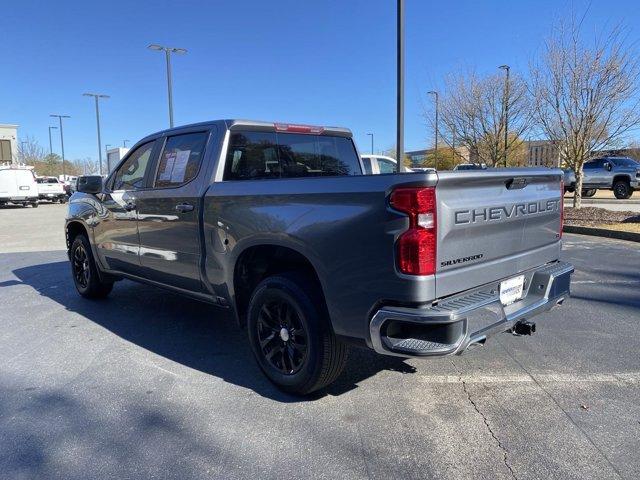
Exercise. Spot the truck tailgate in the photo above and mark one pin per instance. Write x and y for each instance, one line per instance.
(495, 224)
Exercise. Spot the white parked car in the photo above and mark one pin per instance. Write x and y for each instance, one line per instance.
(374, 164)
(50, 188)
(18, 185)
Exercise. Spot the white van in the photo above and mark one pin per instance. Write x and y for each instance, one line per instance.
(18, 185)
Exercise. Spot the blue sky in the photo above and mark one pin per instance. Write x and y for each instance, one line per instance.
(319, 62)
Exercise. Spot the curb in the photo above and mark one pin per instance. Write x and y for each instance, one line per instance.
(602, 232)
(606, 201)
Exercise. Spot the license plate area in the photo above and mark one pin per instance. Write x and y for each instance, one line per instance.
(511, 290)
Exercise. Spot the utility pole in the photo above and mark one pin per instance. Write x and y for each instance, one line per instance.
(97, 96)
(371, 135)
(168, 51)
(51, 144)
(60, 117)
(400, 87)
(124, 143)
(435, 156)
(506, 68)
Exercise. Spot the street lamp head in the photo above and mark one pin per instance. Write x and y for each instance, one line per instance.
(178, 50)
(504, 67)
(98, 95)
(54, 128)
(155, 46)
(59, 116)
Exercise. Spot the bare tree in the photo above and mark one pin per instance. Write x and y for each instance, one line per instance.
(30, 151)
(585, 95)
(472, 109)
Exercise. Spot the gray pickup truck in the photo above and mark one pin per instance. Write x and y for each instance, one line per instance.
(620, 174)
(278, 224)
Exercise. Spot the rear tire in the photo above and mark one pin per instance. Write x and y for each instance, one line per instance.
(291, 337)
(622, 190)
(34, 204)
(589, 192)
(84, 271)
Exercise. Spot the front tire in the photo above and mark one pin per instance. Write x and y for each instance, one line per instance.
(84, 270)
(622, 190)
(589, 192)
(291, 337)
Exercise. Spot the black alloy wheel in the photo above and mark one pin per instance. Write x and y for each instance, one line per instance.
(291, 336)
(81, 269)
(621, 190)
(282, 336)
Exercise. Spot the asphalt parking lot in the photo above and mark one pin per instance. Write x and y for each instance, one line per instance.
(149, 385)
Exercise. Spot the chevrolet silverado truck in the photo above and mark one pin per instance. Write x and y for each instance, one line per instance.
(278, 224)
(619, 174)
(49, 188)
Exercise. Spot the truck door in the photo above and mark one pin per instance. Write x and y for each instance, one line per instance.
(169, 213)
(116, 235)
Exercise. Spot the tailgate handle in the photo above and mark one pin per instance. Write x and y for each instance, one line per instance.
(517, 183)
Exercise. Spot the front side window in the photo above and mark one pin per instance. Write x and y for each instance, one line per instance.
(180, 160)
(625, 162)
(130, 175)
(261, 155)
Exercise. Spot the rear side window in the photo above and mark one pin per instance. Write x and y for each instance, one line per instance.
(180, 160)
(259, 155)
(366, 162)
(593, 164)
(130, 175)
(386, 166)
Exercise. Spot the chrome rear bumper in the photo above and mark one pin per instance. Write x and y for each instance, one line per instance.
(458, 322)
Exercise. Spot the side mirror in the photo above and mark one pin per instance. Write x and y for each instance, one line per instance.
(89, 184)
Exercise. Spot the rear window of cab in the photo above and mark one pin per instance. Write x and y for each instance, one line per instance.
(255, 155)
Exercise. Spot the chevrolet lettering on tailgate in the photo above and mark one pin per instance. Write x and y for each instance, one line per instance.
(488, 214)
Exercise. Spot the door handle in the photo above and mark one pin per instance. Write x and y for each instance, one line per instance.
(129, 206)
(184, 207)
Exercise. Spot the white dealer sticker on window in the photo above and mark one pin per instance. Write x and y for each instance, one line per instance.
(180, 166)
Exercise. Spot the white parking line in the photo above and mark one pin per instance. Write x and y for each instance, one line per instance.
(622, 377)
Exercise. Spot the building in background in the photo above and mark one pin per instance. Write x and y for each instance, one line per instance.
(114, 155)
(8, 143)
(542, 153)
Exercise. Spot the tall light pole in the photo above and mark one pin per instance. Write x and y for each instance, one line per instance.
(506, 68)
(97, 96)
(51, 144)
(168, 51)
(124, 143)
(371, 135)
(435, 96)
(60, 117)
(400, 86)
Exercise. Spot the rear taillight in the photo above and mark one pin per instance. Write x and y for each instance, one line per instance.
(416, 248)
(561, 207)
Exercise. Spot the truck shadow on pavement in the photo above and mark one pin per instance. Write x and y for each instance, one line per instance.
(188, 332)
